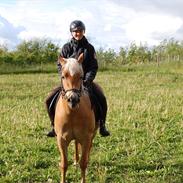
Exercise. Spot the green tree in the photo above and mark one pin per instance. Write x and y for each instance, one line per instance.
(105, 58)
(36, 51)
(122, 56)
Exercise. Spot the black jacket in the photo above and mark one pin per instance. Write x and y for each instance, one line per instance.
(73, 49)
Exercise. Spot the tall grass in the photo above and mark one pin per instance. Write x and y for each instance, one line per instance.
(145, 118)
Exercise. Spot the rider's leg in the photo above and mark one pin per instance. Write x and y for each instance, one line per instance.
(50, 106)
(102, 102)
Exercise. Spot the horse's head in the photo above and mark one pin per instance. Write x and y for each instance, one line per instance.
(72, 79)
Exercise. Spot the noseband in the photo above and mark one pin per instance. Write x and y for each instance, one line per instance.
(77, 91)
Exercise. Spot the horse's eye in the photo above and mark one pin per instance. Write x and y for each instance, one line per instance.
(63, 77)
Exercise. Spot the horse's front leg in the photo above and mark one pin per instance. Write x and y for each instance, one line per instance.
(85, 148)
(76, 154)
(62, 144)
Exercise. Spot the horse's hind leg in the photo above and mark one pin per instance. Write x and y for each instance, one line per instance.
(62, 144)
(85, 147)
(76, 154)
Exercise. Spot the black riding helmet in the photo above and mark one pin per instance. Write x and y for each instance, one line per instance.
(77, 25)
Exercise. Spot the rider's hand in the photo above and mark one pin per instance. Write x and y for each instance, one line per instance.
(86, 83)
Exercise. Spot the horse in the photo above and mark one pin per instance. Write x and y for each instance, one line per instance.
(74, 116)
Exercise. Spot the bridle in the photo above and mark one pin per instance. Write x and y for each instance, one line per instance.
(64, 92)
(74, 90)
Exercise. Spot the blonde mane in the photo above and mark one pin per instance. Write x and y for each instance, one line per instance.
(73, 66)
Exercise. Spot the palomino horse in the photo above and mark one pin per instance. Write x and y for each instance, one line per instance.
(74, 116)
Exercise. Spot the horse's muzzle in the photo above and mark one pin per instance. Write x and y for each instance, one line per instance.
(73, 100)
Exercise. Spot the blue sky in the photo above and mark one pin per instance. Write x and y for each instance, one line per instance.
(109, 23)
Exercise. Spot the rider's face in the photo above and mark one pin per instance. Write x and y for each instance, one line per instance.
(78, 34)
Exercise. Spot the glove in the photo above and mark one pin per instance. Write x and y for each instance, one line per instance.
(87, 83)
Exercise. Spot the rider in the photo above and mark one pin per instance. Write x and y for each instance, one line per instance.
(77, 45)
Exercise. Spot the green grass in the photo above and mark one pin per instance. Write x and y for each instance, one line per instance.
(145, 119)
(10, 68)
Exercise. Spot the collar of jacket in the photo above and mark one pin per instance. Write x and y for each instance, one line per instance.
(79, 43)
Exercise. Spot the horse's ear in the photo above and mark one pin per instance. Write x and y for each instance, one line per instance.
(81, 58)
(61, 60)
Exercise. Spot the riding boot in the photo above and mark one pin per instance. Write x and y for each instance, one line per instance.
(50, 106)
(102, 107)
(51, 133)
(103, 131)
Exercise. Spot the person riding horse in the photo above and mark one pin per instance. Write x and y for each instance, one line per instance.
(77, 45)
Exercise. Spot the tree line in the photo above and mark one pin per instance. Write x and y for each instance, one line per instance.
(35, 51)
(167, 50)
(40, 51)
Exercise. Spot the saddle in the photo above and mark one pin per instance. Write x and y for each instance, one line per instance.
(53, 97)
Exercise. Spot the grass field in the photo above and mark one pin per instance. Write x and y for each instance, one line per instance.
(145, 119)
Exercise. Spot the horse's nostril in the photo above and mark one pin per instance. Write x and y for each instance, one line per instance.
(71, 99)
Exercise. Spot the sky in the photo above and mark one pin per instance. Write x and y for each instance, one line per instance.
(109, 23)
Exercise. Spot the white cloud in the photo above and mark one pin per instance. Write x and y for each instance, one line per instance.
(9, 33)
(143, 27)
(108, 23)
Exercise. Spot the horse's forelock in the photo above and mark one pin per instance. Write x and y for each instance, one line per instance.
(73, 66)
